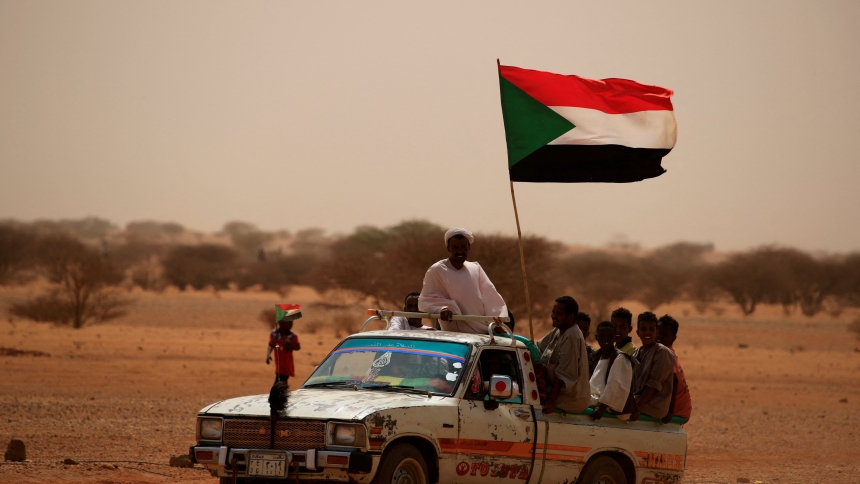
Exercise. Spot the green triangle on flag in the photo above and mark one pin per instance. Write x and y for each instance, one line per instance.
(287, 312)
(529, 125)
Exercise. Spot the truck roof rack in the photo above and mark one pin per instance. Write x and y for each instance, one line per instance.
(386, 315)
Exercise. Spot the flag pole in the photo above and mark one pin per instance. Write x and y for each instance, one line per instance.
(523, 263)
(520, 240)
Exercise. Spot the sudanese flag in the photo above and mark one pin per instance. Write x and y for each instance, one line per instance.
(569, 129)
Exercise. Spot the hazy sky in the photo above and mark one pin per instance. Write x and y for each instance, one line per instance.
(339, 114)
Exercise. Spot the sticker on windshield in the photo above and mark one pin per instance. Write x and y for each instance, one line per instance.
(451, 377)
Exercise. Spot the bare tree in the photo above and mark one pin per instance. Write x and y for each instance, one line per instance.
(202, 265)
(16, 251)
(82, 291)
(666, 274)
(599, 280)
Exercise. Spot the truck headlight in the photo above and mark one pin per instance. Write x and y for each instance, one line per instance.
(348, 435)
(344, 435)
(209, 428)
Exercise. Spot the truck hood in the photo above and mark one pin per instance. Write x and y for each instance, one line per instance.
(323, 404)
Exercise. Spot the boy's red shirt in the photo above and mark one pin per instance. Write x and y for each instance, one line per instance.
(283, 344)
(683, 401)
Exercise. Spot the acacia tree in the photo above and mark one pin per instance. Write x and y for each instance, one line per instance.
(15, 251)
(667, 273)
(81, 293)
(598, 280)
(202, 265)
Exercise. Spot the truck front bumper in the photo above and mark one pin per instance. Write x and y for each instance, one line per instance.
(312, 464)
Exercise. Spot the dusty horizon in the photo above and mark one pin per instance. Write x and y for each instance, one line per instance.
(299, 115)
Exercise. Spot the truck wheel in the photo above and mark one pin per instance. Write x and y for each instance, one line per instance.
(229, 480)
(403, 464)
(602, 470)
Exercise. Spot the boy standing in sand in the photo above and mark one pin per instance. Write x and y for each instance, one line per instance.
(652, 379)
(682, 403)
(283, 341)
(623, 321)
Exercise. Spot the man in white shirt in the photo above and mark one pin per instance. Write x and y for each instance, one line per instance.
(457, 286)
(408, 324)
(612, 377)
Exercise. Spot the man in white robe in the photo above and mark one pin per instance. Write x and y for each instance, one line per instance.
(457, 286)
(612, 377)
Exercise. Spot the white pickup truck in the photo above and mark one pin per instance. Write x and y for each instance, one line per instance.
(421, 407)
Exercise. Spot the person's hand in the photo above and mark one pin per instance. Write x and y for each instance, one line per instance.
(446, 314)
(549, 407)
(667, 418)
(634, 416)
(268, 359)
(598, 413)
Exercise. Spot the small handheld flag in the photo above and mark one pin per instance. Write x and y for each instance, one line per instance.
(287, 312)
(569, 129)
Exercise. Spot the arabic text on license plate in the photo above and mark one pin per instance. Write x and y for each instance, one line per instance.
(267, 464)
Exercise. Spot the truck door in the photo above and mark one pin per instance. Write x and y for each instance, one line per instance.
(494, 443)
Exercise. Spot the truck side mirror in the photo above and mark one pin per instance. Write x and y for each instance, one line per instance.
(501, 387)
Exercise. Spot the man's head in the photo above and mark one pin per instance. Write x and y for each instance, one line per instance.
(564, 311)
(584, 322)
(623, 321)
(410, 305)
(606, 335)
(458, 248)
(646, 328)
(667, 330)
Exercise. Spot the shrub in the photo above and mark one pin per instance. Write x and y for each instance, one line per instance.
(201, 266)
(81, 293)
(16, 251)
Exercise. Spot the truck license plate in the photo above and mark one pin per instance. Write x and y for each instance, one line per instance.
(267, 464)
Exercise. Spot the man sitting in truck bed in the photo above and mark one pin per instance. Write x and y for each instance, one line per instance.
(652, 379)
(610, 383)
(565, 357)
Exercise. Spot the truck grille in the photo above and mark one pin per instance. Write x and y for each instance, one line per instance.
(289, 434)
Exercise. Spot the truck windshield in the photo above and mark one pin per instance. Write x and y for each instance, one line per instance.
(392, 364)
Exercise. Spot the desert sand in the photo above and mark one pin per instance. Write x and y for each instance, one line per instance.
(776, 397)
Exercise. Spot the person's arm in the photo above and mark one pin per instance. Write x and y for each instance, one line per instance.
(668, 417)
(433, 298)
(294, 341)
(661, 372)
(494, 304)
(269, 355)
(571, 351)
(618, 384)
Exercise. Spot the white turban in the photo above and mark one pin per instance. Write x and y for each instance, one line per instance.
(459, 231)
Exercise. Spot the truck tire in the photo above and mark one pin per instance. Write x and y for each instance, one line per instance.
(403, 464)
(229, 480)
(602, 470)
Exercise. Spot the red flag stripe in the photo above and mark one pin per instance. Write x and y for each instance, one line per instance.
(287, 307)
(612, 96)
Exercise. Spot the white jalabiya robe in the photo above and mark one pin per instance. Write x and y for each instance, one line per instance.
(613, 390)
(464, 291)
(399, 323)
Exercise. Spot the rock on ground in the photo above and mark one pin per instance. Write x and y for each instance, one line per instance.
(16, 451)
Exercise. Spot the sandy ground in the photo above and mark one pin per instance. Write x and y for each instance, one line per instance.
(776, 398)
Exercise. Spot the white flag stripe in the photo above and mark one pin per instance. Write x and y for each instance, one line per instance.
(644, 129)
